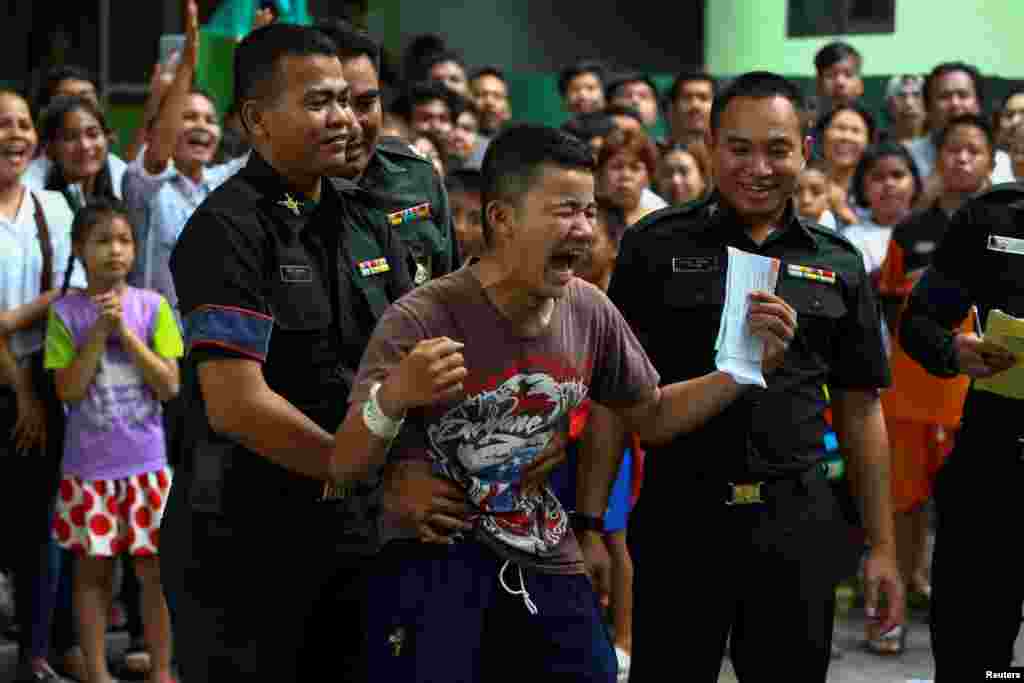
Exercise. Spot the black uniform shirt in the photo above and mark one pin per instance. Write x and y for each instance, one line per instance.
(980, 261)
(669, 283)
(294, 285)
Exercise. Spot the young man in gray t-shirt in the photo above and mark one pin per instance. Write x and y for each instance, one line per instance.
(474, 376)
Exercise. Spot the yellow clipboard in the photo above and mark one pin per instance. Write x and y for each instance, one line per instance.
(1008, 332)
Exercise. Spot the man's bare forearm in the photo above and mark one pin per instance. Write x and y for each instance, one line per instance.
(860, 427)
(682, 407)
(599, 459)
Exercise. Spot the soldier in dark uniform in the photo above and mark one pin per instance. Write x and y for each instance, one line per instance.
(281, 275)
(761, 539)
(976, 591)
(417, 204)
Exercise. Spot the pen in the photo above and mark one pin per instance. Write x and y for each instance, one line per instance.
(977, 322)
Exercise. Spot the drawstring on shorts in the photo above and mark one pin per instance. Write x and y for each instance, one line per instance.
(530, 606)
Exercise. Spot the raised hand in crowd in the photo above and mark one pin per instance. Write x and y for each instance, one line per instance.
(164, 135)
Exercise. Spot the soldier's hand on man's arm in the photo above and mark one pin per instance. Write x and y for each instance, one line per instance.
(418, 500)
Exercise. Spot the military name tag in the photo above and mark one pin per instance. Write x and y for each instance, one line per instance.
(808, 273)
(374, 266)
(413, 213)
(694, 264)
(296, 274)
(1007, 245)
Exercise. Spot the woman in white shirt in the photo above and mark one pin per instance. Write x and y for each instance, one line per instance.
(35, 243)
(887, 183)
(77, 140)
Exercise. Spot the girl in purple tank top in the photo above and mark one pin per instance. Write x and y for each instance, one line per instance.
(114, 351)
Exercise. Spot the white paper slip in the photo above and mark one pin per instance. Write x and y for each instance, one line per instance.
(739, 352)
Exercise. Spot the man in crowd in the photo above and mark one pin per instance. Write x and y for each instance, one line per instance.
(689, 107)
(950, 90)
(490, 92)
(413, 194)
(581, 86)
(839, 83)
(635, 90)
(905, 105)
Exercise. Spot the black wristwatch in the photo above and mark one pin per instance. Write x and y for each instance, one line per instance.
(581, 522)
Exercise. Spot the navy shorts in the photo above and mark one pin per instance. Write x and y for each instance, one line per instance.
(439, 614)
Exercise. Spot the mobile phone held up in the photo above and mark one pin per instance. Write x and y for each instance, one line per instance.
(171, 47)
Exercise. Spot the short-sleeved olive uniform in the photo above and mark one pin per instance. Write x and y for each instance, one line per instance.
(764, 570)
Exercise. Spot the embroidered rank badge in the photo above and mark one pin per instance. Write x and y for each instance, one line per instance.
(808, 273)
(289, 202)
(413, 213)
(374, 266)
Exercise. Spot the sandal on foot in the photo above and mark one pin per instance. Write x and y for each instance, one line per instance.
(889, 644)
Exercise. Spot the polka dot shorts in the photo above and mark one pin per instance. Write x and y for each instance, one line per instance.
(105, 518)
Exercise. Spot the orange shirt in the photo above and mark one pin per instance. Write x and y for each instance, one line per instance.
(915, 395)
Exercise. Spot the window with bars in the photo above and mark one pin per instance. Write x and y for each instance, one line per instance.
(808, 18)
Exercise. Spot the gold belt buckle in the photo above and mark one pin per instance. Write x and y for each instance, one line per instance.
(335, 492)
(745, 494)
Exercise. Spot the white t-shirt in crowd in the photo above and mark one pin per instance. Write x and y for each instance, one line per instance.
(22, 260)
(872, 240)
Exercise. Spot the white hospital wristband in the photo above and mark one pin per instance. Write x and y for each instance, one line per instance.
(379, 424)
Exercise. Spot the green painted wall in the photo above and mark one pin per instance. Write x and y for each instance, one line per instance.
(744, 35)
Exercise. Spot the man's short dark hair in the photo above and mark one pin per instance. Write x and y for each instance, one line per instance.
(422, 92)
(351, 41)
(516, 157)
(257, 57)
(489, 70)
(688, 77)
(464, 180)
(623, 110)
(757, 84)
(586, 127)
(447, 55)
(584, 66)
(618, 80)
(60, 73)
(973, 120)
(835, 52)
(952, 67)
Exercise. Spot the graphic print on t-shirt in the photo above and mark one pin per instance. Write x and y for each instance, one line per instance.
(119, 392)
(487, 440)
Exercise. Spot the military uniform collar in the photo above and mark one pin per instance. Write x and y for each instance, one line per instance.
(286, 201)
(722, 217)
(380, 165)
(275, 188)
